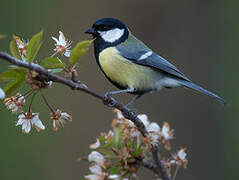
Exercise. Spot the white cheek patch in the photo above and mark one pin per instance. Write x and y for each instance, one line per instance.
(144, 56)
(112, 35)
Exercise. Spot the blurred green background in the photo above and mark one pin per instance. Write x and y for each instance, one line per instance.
(199, 37)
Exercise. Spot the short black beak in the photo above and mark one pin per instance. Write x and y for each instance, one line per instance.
(90, 31)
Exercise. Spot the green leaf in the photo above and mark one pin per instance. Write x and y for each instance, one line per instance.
(52, 63)
(8, 76)
(13, 85)
(106, 151)
(15, 78)
(137, 152)
(79, 50)
(118, 138)
(138, 144)
(34, 46)
(109, 144)
(14, 49)
(129, 144)
(137, 148)
(115, 169)
(102, 139)
(113, 142)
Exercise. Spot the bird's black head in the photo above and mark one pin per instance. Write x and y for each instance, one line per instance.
(108, 32)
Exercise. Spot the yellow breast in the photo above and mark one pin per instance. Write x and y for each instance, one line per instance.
(125, 72)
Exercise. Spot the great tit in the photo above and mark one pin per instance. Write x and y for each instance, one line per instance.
(132, 66)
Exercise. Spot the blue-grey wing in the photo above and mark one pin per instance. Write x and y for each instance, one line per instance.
(136, 51)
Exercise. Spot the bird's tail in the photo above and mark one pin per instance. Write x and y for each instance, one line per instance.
(190, 85)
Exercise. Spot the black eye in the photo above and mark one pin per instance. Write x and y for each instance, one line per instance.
(103, 28)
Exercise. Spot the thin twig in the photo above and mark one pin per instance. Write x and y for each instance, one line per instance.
(30, 105)
(109, 101)
(149, 165)
(55, 53)
(46, 102)
(157, 159)
(176, 172)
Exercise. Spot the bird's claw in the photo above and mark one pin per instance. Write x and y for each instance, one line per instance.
(130, 113)
(132, 110)
(109, 100)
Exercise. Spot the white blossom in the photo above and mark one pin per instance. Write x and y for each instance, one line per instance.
(180, 158)
(95, 169)
(96, 157)
(15, 103)
(134, 132)
(109, 135)
(95, 145)
(181, 154)
(97, 173)
(93, 177)
(144, 119)
(114, 176)
(166, 132)
(153, 127)
(62, 45)
(154, 138)
(36, 122)
(119, 114)
(65, 117)
(26, 120)
(60, 119)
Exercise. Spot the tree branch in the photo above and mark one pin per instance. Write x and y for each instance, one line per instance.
(151, 166)
(109, 101)
(161, 167)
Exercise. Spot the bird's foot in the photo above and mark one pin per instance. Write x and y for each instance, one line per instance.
(130, 113)
(127, 106)
(131, 110)
(108, 100)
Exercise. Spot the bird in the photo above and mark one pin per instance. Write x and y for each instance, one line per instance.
(131, 65)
